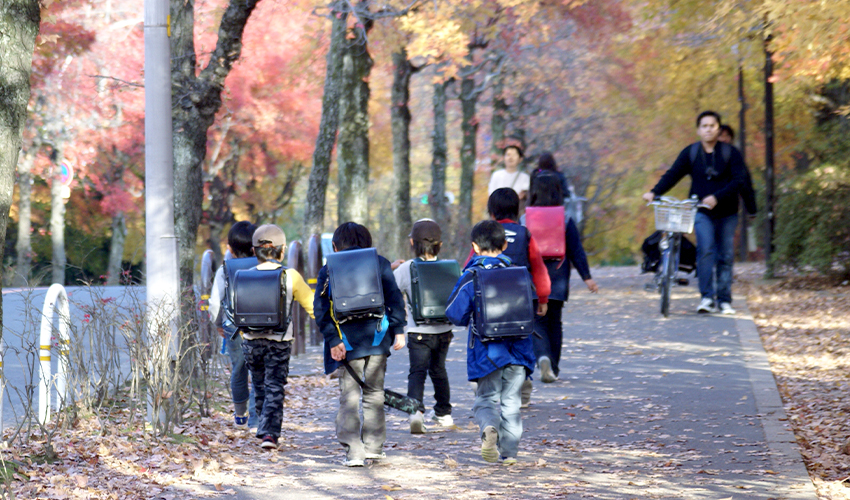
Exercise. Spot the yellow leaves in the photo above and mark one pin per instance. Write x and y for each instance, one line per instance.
(391, 487)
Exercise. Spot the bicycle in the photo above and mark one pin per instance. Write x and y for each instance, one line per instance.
(674, 218)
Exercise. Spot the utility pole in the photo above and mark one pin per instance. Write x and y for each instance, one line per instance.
(160, 243)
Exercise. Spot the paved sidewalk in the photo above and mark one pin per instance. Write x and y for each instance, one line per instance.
(646, 407)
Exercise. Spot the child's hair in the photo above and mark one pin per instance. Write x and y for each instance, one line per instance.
(545, 190)
(351, 234)
(239, 238)
(516, 147)
(489, 235)
(547, 162)
(269, 253)
(427, 238)
(503, 204)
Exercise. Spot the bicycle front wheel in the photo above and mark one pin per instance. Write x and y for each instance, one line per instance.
(666, 281)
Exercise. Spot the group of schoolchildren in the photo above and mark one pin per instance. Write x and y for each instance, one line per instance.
(510, 295)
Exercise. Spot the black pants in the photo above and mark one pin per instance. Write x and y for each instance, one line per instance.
(551, 330)
(428, 357)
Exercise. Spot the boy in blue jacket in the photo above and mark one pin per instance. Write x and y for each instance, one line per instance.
(499, 367)
(369, 340)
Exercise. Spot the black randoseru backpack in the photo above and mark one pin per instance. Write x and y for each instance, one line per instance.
(259, 300)
(431, 284)
(503, 304)
(230, 268)
(356, 292)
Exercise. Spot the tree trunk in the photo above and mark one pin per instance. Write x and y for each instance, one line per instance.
(400, 114)
(468, 153)
(196, 100)
(116, 249)
(23, 247)
(498, 123)
(317, 186)
(768, 158)
(57, 221)
(439, 158)
(18, 29)
(353, 157)
(742, 142)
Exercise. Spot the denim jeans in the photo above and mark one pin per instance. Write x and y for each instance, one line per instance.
(239, 377)
(358, 438)
(428, 353)
(715, 255)
(497, 402)
(551, 332)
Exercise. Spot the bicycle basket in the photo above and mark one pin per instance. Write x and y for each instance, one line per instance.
(675, 218)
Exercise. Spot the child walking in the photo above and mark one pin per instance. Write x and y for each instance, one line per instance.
(498, 366)
(364, 344)
(428, 345)
(267, 351)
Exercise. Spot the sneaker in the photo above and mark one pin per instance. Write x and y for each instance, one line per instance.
(240, 420)
(489, 437)
(443, 420)
(253, 431)
(269, 442)
(706, 305)
(353, 462)
(546, 373)
(526, 394)
(726, 308)
(508, 460)
(417, 423)
(376, 456)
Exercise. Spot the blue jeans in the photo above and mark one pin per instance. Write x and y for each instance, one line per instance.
(239, 377)
(715, 255)
(497, 403)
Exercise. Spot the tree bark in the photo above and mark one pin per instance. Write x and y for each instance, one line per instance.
(439, 158)
(769, 221)
(23, 247)
(196, 100)
(317, 186)
(18, 30)
(116, 249)
(468, 153)
(400, 116)
(57, 221)
(353, 157)
(498, 122)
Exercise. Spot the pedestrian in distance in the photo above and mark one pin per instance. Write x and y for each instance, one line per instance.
(362, 341)
(546, 192)
(511, 176)
(503, 207)
(748, 194)
(427, 344)
(717, 178)
(240, 246)
(499, 367)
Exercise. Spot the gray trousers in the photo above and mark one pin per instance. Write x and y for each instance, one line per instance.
(359, 438)
(497, 402)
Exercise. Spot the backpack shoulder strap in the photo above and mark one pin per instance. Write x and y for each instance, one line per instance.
(694, 151)
(725, 151)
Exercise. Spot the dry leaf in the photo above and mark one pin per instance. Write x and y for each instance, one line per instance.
(391, 487)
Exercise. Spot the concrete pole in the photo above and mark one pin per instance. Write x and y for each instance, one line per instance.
(160, 242)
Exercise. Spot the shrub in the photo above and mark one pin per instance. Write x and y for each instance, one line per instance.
(813, 221)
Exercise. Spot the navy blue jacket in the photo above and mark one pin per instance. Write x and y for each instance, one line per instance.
(559, 271)
(367, 336)
(485, 358)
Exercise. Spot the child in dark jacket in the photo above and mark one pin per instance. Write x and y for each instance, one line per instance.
(546, 192)
(365, 345)
(498, 367)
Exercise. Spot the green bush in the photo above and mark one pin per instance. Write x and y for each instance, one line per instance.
(813, 221)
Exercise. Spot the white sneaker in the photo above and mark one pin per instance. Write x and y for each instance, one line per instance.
(706, 305)
(489, 442)
(444, 420)
(417, 423)
(546, 373)
(354, 462)
(726, 308)
(376, 456)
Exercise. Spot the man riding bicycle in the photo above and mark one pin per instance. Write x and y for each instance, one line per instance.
(717, 176)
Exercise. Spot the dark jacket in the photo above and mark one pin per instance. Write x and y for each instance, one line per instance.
(366, 337)
(485, 358)
(725, 182)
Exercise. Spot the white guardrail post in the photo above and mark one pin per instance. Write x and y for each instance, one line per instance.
(56, 295)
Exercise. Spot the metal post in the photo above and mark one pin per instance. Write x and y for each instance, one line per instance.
(56, 295)
(294, 260)
(207, 333)
(160, 242)
(314, 263)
